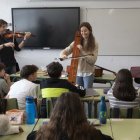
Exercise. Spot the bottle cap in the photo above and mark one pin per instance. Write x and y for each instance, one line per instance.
(102, 97)
(29, 99)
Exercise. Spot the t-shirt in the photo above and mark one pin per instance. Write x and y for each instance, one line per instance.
(7, 53)
(21, 89)
(4, 88)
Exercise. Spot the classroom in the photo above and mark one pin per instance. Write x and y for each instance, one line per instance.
(115, 27)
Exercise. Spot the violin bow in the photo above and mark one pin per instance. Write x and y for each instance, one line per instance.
(14, 35)
(82, 56)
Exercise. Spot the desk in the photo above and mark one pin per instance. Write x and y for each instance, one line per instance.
(21, 136)
(106, 78)
(94, 100)
(122, 129)
(106, 129)
(126, 129)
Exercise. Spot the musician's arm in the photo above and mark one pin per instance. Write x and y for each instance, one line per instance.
(91, 59)
(26, 36)
(67, 51)
(1, 46)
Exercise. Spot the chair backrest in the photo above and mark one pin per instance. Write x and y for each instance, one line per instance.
(135, 71)
(117, 105)
(8, 104)
(47, 105)
(12, 104)
(52, 92)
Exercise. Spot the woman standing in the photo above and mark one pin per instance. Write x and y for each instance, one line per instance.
(88, 45)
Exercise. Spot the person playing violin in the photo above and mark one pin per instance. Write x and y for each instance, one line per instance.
(7, 47)
(88, 45)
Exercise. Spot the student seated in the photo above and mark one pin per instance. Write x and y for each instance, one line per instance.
(24, 87)
(123, 94)
(5, 81)
(68, 122)
(6, 128)
(54, 86)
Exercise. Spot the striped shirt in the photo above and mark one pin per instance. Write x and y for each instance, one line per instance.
(115, 103)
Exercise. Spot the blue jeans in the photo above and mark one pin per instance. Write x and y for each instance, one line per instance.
(86, 82)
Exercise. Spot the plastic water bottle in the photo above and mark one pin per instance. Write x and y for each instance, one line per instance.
(30, 110)
(102, 111)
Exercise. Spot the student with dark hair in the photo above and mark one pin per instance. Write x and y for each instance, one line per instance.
(68, 122)
(7, 47)
(24, 87)
(88, 45)
(54, 86)
(123, 94)
(5, 82)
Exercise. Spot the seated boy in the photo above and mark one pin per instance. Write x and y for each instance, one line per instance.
(24, 87)
(5, 82)
(54, 86)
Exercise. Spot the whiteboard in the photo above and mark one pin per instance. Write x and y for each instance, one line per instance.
(117, 31)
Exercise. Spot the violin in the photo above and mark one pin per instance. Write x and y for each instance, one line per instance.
(9, 34)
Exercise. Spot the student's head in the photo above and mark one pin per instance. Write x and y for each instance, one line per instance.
(29, 72)
(67, 115)
(123, 88)
(2, 70)
(54, 69)
(86, 33)
(3, 25)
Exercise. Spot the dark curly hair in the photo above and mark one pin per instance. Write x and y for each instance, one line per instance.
(27, 70)
(54, 69)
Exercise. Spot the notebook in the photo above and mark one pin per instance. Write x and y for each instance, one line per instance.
(91, 92)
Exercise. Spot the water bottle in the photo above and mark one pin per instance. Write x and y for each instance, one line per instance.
(30, 110)
(102, 111)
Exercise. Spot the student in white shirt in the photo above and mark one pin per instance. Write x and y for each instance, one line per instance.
(25, 87)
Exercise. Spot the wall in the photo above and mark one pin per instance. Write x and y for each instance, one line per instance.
(43, 57)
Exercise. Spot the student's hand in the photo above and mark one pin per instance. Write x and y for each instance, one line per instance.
(20, 129)
(27, 35)
(9, 44)
(7, 77)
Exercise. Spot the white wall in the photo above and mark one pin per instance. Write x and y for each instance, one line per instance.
(43, 57)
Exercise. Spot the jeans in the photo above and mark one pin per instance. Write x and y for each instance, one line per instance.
(86, 82)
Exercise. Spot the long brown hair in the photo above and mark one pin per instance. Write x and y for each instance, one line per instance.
(123, 88)
(91, 40)
(66, 120)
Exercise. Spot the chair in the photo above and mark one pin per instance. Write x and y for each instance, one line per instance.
(8, 104)
(117, 108)
(12, 104)
(47, 104)
(135, 71)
